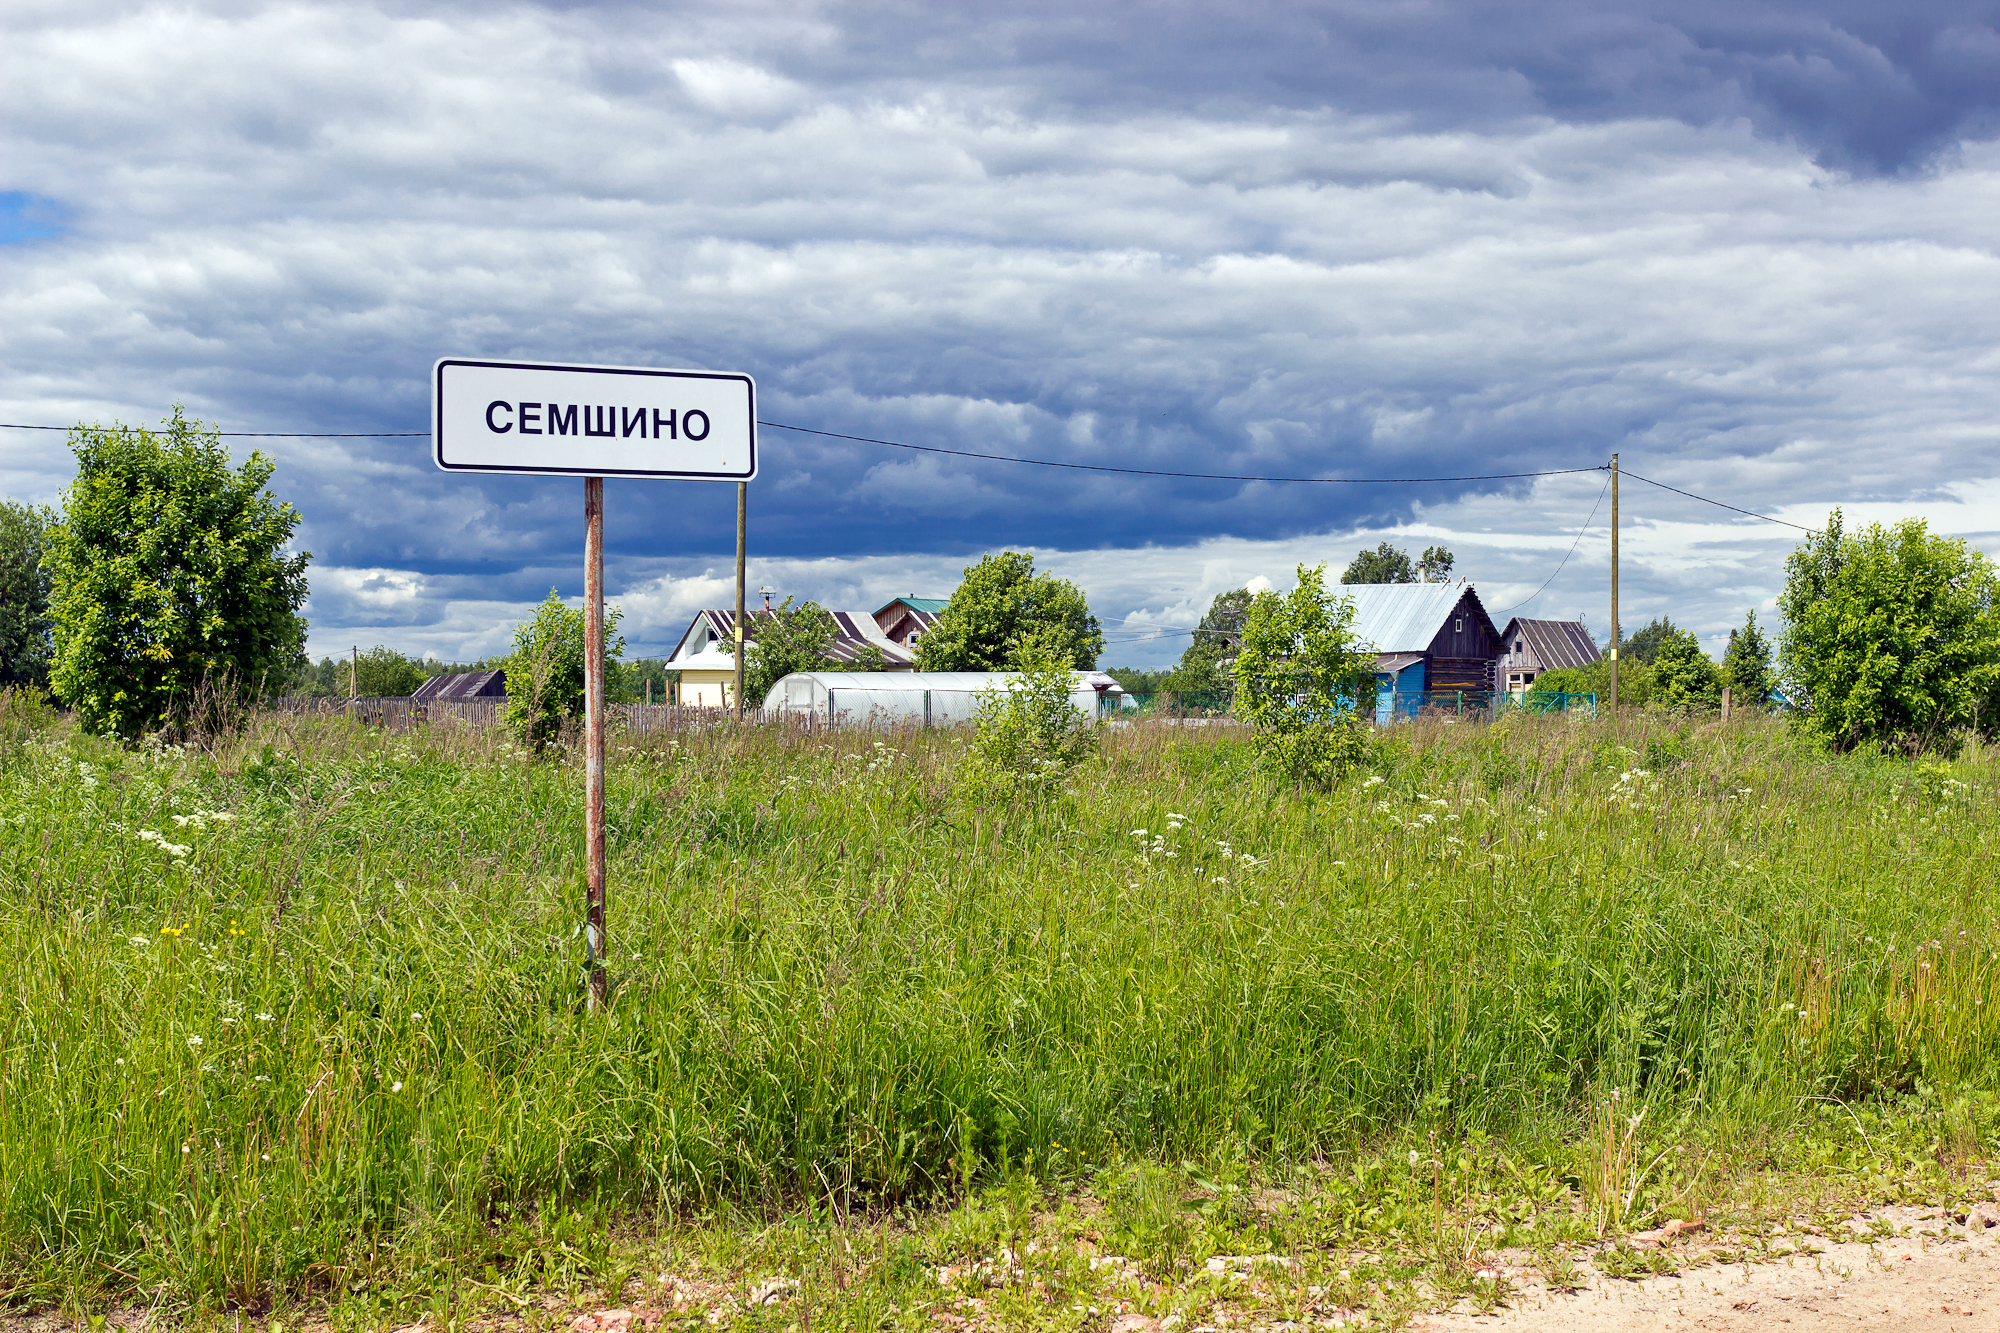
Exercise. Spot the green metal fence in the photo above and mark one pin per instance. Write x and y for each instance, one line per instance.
(1390, 706)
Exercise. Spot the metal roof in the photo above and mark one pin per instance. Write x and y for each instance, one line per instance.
(857, 632)
(1555, 643)
(465, 685)
(932, 605)
(1405, 617)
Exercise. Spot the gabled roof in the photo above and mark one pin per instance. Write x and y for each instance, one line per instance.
(857, 634)
(1405, 617)
(928, 605)
(466, 685)
(1555, 643)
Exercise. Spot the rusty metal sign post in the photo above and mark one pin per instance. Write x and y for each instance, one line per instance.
(623, 421)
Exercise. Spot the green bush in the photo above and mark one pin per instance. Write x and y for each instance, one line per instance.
(545, 670)
(1893, 637)
(172, 593)
(1301, 680)
(1028, 733)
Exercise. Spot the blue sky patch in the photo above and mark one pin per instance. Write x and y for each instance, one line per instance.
(29, 217)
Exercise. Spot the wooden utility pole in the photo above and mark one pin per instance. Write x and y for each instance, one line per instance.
(593, 733)
(354, 673)
(742, 512)
(1614, 589)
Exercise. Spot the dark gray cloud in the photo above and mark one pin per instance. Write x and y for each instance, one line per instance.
(1748, 246)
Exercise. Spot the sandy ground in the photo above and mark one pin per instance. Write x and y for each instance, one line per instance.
(1947, 1280)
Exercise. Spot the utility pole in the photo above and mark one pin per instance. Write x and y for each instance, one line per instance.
(1614, 590)
(742, 512)
(354, 674)
(593, 733)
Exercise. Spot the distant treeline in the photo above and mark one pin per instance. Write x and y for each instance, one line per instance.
(386, 673)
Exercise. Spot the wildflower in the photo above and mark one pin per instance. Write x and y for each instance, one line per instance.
(416, 1018)
(1375, 781)
(1138, 833)
(1413, 1157)
(397, 1086)
(263, 1018)
(194, 1043)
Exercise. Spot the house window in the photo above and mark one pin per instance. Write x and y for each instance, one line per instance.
(1458, 626)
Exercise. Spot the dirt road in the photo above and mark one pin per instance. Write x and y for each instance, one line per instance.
(1950, 1280)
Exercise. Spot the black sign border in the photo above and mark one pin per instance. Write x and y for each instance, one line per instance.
(437, 421)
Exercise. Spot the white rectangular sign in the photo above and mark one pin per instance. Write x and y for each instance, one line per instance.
(592, 421)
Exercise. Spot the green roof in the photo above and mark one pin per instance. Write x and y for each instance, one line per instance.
(931, 604)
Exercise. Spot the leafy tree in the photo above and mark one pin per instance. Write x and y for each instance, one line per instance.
(1645, 645)
(545, 670)
(1635, 682)
(1028, 731)
(171, 591)
(1435, 566)
(1892, 637)
(1140, 680)
(24, 593)
(1746, 663)
(1683, 675)
(385, 673)
(1300, 680)
(1384, 564)
(790, 639)
(1204, 667)
(632, 678)
(1387, 564)
(1002, 604)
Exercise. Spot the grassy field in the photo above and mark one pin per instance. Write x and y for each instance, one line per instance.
(301, 1019)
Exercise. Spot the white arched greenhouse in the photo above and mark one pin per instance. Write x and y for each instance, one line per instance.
(916, 698)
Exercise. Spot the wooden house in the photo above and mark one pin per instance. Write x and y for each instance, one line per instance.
(1427, 637)
(1530, 647)
(908, 619)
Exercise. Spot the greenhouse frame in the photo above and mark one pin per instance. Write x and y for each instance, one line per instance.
(916, 698)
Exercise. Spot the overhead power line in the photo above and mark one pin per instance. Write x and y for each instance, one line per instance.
(1705, 500)
(1565, 560)
(1191, 476)
(1038, 462)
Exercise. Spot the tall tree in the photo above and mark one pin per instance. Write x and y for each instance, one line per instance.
(1747, 663)
(1645, 645)
(385, 674)
(1683, 675)
(1384, 564)
(1387, 564)
(24, 594)
(1002, 604)
(1892, 637)
(1204, 665)
(171, 587)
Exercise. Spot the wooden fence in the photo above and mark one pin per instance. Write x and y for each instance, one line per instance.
(404, 714)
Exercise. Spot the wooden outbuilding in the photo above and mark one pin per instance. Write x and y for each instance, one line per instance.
(1530, 647)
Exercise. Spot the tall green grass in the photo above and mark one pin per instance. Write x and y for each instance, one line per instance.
(288, 1013)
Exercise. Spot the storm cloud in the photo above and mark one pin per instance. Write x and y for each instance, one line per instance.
(1748, 247)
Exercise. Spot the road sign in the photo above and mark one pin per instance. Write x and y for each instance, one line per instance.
(592, 421)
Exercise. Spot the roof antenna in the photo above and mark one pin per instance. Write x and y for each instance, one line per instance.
(767, 597)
